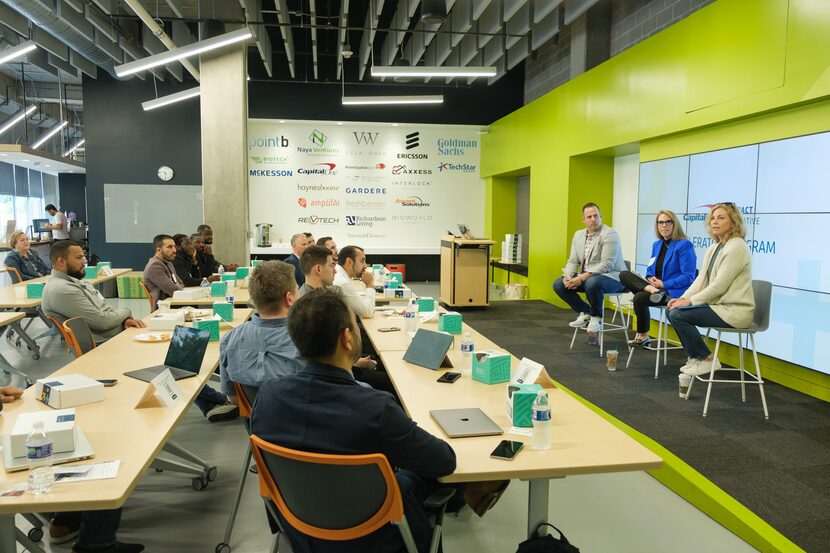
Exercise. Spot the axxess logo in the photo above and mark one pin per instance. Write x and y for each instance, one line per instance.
(270, 173)
(328, 202)
(412, 201)
(317, 187)
(413, 140)
(363, 221)
(317, 220)
(276, 141)
(317, 137)
(461, 167)
(323, 169)
(365, 137)
(402, 170)
(413, 156)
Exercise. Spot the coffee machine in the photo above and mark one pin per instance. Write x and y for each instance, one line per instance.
(263, 232)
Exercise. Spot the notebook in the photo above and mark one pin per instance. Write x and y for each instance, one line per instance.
(184, 355)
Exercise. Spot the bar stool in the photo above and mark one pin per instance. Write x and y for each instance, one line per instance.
(612, 325)
(664, 344)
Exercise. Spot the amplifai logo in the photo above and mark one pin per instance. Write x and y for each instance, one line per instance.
(276, 141)
(454, 146)
(363, 221)
(317, 220)
(412, 201)
(270, 172)
(402, 170)
(461, 167)
(328, 202)
(318, 169)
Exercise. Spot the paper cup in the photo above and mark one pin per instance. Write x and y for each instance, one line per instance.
(611, 357)
(164, 306)
(683, 383)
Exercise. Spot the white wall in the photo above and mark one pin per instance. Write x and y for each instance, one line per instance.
(626, 179)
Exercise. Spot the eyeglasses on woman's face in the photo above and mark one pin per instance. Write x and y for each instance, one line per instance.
(666, 223)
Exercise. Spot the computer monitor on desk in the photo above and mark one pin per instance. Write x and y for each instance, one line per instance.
(40, 225)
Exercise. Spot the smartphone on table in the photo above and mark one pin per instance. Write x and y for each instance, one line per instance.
(506, 450)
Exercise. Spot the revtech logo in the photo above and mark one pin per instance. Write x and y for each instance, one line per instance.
(318, 169)
(317, 220)
(363, 221)
(454, 146)
(413, 140)
(365, 137)
(412, 201)
(276, 141)
(317, 137)
(364, 190)
(402, 170)
(461, 167)
(328, 202)
(270, 173)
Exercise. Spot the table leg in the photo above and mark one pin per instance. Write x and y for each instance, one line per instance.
(8, 541)
(537, 504)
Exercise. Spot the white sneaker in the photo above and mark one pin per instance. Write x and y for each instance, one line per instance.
(687, 365)
(580, 321)
(701, 367)
(595, 325)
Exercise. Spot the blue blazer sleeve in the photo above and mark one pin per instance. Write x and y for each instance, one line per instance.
(682, 272)
(655, 251)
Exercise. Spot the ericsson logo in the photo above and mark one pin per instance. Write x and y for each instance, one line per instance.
(365, 137)
(413, 156)
(413, 140)
(276, 141)
(318, 169)
(270, 173)
(412, 201)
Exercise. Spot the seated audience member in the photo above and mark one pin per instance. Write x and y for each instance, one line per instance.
(317, 264)
(309, 238)
(299, 242)
(26, 260)
(671, 269)
(328, 243)
(593, 267)
(722, 292)
(325, 332)
(67, 295)
(208, 265)
(177, 240)
(187, 266)
(351, 264)
(207, 236)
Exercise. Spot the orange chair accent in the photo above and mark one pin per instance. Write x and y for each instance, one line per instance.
(14, 274)
(65, 333)
(244, 403)
(80, 334)
(153, 305)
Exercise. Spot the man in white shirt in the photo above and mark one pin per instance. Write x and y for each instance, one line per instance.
(351, 264)
(59, 225)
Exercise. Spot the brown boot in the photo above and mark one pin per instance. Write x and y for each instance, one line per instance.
(482, 496)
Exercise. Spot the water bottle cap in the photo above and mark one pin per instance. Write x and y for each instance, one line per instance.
(541, 393)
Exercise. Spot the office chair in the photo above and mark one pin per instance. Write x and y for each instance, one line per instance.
(762, 291)
(31, 315)
(80, 335)
(14, 274)
(153, 306)
(612, 325)
(352, 495)
(66, 336)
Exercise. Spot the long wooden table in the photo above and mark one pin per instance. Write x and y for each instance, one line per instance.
(94, 281)
(241, 297)
(582, 441)
(115, 429)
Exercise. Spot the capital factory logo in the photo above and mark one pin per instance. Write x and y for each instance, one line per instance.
(268, 160)
(317, 220)
(460, 167)
(375, 167)
(317, 137)
(413, 140)
(328, 202)
(412, 201)
(363, 221)
(454, 146)
(318, 169)
(365, 137)
(270, 173)
(276, 141)
(402, 170)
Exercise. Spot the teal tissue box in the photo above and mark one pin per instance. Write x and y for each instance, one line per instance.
(242, 272)
(392, 284)
(426, 304)
(34, 290)
(520, 403)
(228, 276)
(397, 277)
(491, 366)
(255, 262)
(90, 272)
(104, 264)
(450, 322)
(218, 289)
(224, 310)
(211, 325)
(377, 267)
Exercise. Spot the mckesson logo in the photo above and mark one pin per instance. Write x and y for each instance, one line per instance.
(276, 141)
(270, 173)
(412, 201)
(365, 137)
(460, 167)
(318, 169)
(413, 140)
(454, 146)
(402, 170)
(317, 220)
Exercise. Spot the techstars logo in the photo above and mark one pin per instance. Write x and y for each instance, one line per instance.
(460, 167)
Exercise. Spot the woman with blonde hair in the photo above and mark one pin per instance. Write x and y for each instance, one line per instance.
(671, 269)
(721, 295)
(26, 260)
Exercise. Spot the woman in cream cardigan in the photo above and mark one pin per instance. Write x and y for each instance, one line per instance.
(721, 295)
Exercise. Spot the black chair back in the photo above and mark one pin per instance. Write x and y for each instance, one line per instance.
(82, 336)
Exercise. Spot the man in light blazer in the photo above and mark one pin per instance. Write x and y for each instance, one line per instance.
(593, 267)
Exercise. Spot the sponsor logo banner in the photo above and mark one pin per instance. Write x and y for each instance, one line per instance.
(460, 167)
(270, 172)
(412, 201)
(365, 190)
(363, 220)
(454, 146)
(317, 220)
(328, 202)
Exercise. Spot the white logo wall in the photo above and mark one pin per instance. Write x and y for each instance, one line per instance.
(372, 185)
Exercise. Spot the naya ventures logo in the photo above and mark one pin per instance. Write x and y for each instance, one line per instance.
(318, 140)
(412, 201)
(317, 137)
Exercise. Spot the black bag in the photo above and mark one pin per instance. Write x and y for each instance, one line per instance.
(547, 544)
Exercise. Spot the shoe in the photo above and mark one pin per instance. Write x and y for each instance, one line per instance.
(117, 547)
(226, 412)
(640, 342)
(657, 298)
(580, 321)
(701, 367)
(595, 324)
(62, 534)
(483, 496)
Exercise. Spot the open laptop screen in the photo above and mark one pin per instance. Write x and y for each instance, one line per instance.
(187, 348)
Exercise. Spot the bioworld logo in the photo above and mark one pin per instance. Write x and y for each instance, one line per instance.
(365, 137)
(412, 201)
(317, 137)
(412, 218)
(270, 173)
(276, 141)
(317, 220)
(402, 170)
(328, 202)
(454, 146)
(413, 140)
(460, 167)
(318, 169)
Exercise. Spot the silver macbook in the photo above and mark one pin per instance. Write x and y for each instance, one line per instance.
(465, 423)
(83, 450)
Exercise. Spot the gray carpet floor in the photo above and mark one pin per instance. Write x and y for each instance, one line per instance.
(779, 468)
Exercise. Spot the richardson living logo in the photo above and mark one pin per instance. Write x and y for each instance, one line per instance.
(460, 167)
(328, 202)
(268, 160)
(367, 190)
(317, 220)
(454, 146)
(376, 167)
(318, 169)
(402, 170)
(317, 187)
(411, 219)
(413, 140)
(365, 137)
(412, 201)
(276, 141)
(363, 221)
(270, 172)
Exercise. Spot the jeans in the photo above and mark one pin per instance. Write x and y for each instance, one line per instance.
(209, 398)
(684, 322)
(642, 300)
(97, 528)
(595, 288)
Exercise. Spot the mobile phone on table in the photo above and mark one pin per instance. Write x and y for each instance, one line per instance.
(449, 377)
(506, 450)
(389, 329)
(108, 382)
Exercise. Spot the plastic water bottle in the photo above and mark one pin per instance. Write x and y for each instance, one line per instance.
(467, 349)
(205, 287)
(39, 454)
(410, 316)
(221, 270)
(541, 421)
(229, 291)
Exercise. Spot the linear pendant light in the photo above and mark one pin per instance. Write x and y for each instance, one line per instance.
(52, 132)
(17, 51)
(171, 98)
(435, 71)
(17, 119)
(391, 100)
(77, 145)
(184, 52)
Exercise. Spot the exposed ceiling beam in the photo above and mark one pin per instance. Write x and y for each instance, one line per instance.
(287, 35)
(312, 8)
(367, 42)
(341, 34)
(160, 34)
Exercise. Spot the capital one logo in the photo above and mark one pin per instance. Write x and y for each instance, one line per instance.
(317, 137)
(364, 137)
(413, 140)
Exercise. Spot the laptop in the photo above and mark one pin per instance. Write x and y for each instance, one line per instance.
(465, 423)
(83, 450)
(184, 355)
(429, 349)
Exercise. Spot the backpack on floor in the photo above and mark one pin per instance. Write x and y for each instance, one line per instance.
(547, 544)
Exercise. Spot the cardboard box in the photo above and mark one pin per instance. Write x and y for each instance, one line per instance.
(60, 425)
(68, 390)
(223, 309)
(242, 272)
(491, 366)
(218, 289)
(211, 325)
(426, 304)
(166, 321)
(397, 293)
(188, 294)
(391, 285)
(520, 403)
(450, 322)
(35, 289)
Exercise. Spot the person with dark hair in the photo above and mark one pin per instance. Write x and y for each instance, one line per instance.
(299, 242)
(187, 266)
(318, 267)
(325, 332)
(207, 263)
(328, 243)
(593, 267)
(159, 274)
(59, 225)
(207, 236)
(26, 260)
(309, 238)
(177, 240)
(350, 276)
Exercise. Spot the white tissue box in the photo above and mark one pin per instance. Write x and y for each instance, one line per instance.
(68, 390)
(188, 294)
(166, 321)
(60, 425)
(397, 293)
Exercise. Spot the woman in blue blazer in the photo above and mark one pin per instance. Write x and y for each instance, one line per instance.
(671, 270)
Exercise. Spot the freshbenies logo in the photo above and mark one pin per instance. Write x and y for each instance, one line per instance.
(317, 220)
(412, 201)
(413, 140)
(454, 146)
(460, 167)
(318, 169)
(276, 141)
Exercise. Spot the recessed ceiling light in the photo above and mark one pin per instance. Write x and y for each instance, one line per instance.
(340, 122)
(282, 120)
(394, 124)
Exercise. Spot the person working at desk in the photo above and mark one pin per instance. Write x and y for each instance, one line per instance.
(318, 267)
(207, 236)
(59, 225)
(66, 295)
(351, 264)
(328, 243)
(325, 332)
(26, 260)
(299, 242)
(593, 267)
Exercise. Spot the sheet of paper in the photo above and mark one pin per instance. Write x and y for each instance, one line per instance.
(88, 471)
(520, 431)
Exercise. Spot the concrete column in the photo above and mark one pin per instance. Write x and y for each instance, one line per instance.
(591, 38)
(224, 112)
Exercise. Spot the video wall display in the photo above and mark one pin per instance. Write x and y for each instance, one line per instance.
(369, 184)
(783, 190)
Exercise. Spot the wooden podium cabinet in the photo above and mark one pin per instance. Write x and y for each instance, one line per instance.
(465, 272)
